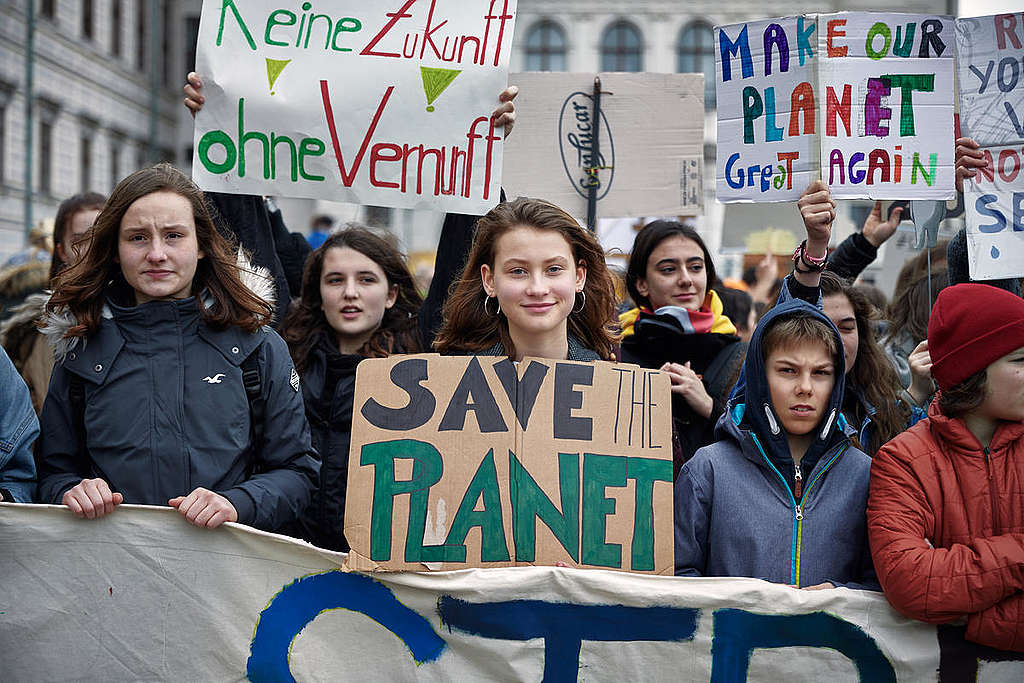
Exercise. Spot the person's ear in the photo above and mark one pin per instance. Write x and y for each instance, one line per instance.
(581, 275)
(392, 296)
(487, 278)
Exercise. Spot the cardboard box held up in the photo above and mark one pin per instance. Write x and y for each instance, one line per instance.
(460, 462)
(651, 142)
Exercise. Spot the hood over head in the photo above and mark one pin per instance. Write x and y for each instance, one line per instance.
(751, 407)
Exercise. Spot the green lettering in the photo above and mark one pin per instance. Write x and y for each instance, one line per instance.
(600, 472)
(345, 25)
(493, 546)
(244, 137)
(645, 471)
(274, 139)
(272, 22)
(879, 28)
(217, 137)
(529, 502)
(310, 147)
(230, 4)
(426, 471)
(916, 164)
(908, 83)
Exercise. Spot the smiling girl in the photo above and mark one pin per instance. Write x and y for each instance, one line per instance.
(153, 330)
(535, 284)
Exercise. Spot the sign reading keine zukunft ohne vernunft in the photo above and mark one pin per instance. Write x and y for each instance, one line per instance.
(381, 102)
(990, 51)
(861, 100)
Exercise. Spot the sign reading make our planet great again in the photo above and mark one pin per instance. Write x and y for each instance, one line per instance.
(460, 462)
(861, 100)
(381, 102)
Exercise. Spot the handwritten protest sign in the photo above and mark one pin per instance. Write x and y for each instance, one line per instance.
(861, 100)
(140, 595)
(650, 143)
(991, 70)
(477, 461)
(380, 102)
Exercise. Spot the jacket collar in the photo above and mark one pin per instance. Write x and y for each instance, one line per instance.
(955, 435)
(577, 351)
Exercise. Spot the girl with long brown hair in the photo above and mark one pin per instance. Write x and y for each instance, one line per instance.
(535, 284)
(168, 390)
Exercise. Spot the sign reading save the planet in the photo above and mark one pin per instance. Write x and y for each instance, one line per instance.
(380, 102)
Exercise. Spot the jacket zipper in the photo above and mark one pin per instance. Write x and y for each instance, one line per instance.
(798, 508)
(798, 479)
(991, 491)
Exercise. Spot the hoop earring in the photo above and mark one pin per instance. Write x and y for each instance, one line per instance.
(487, 299)
(583, 304)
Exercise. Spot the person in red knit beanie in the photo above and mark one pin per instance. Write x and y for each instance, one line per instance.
(946, 503)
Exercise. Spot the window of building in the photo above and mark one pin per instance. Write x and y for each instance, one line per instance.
(166, 45)
(85, 162)
(6, 93)
(140, 35)
(115, 27)
(377, 216)
(87, 17)
(116, 142)
(47, 121)
(622, 48)
(695, 53)
(48, 9)
(191, 39)
(545, 47)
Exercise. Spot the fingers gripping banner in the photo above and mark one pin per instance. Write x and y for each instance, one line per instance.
(383, 102)
(141, 595)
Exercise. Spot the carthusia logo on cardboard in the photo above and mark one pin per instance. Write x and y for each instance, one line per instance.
(576, 130)
(572, 460)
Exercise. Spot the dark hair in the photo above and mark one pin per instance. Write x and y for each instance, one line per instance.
(872, 373)
(467, 327)
(84, 201)
(789, 330)
(397, 332)
(964, 397)
(874, 295)
(910, 312)
(917, 266)
(736, 305)
(80, 288)
(647, 240)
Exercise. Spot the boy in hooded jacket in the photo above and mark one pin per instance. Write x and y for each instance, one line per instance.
(781, 495)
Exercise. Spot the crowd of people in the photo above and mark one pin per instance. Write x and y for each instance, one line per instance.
(192, 355)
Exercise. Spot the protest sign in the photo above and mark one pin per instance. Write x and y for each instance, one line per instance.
(373, 102)
(142, 595)
(650, 142)
(477, 461)
(991, 70)
(861, 100)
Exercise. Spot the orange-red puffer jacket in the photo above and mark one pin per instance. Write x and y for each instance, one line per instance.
(946, 527)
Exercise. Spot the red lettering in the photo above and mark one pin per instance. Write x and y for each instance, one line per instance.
(428, 32)
(377, 155)
(395, 16)
(348, 176)
(834, 32)
(834, 107)
(802, 99)
(1006, 27)
(789, 157)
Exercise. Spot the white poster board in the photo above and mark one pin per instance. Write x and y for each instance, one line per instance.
(142, 595)
(991, 72)
(650, 141)
(371, 102)
(862, 100)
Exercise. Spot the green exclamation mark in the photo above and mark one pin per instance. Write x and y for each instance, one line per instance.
(435, 81)
(274, 69)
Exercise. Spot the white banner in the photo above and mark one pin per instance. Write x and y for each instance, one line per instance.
(142, 595)
(380, 102)
(862, 100)
(991, 75)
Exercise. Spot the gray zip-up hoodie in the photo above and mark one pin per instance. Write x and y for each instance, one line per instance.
(743, 508)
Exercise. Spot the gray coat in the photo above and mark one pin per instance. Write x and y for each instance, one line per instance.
(166, 412)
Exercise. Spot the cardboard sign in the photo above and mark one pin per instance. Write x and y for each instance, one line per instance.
(650, 142)
(375, 102)
(991, 70)
(141, 595)
(477, 461)
(861, 100)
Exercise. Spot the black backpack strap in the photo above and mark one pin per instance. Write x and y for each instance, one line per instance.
(253, 384)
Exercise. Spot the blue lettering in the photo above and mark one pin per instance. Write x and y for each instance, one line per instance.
(728, 48)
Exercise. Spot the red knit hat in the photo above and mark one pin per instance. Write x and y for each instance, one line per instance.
(972, 326)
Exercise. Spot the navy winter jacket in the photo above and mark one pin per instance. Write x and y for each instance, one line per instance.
(166, 412)
(744, 508)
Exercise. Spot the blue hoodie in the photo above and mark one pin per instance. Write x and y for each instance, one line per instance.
(742, 510)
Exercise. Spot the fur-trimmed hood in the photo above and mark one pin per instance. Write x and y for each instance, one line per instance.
(57, 324)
